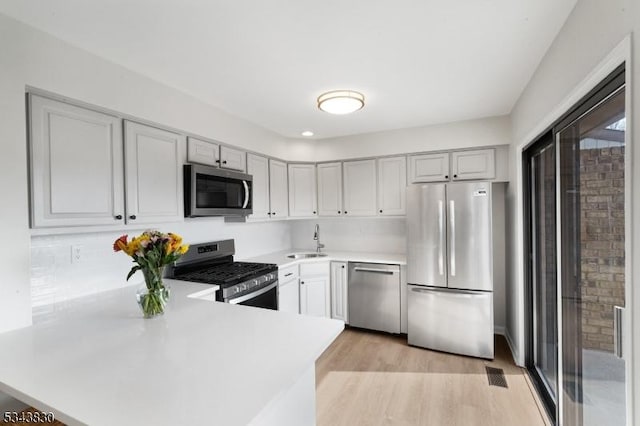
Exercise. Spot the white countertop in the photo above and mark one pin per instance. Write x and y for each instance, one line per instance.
(280, 258)
(98, 362)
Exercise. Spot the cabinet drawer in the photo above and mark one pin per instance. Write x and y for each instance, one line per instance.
(316, 268)
(287, 274)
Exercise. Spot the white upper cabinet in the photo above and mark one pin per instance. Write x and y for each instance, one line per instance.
(203, 152)
(258, 167)
(153, 174)
(330, 189)
(302, 190)
(76, 165)
(278, 189)
(477, 164)
(233, 159)
(392, 186)
(429, 167)
(360, 187)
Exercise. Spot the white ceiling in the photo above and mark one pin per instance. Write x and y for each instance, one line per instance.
(418, 62)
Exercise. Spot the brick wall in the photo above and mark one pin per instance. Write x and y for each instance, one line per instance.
(602, 243)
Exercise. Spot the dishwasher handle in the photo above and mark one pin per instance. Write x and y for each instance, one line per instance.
(375, 271)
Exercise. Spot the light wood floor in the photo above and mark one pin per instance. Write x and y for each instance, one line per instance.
(367, 378)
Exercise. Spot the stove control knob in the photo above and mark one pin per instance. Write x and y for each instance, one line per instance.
(243, 287)
(236, 290)
(254, 283)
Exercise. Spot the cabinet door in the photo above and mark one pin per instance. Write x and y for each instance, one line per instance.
(76, 165)
(313, 296)
(258, 167)
(302, 190)
(278, 189)
(330, 189)
(233, 159)
(203, 152)
(289, 297)
(153, 162)
(360, 188)
(392, 186)
(429, 167)
(477, 164)
(339, 303)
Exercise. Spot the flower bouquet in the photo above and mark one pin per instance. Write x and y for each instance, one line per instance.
(151, 252)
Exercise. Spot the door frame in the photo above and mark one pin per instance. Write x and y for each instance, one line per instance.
(621, 54)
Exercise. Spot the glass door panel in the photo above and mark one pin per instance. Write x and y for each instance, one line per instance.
(544, 265)
(591, 188)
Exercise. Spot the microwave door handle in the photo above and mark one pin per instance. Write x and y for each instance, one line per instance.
(246, 194)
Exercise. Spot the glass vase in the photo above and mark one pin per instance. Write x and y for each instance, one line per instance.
(152, 298)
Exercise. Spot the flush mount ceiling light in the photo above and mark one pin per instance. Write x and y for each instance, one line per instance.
(307, 133)
(341, 102)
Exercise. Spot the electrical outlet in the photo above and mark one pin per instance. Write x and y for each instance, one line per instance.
(76, 254)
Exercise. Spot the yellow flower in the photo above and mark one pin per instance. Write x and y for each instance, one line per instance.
(183, 249)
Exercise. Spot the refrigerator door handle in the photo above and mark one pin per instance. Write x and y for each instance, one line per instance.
(441, 231)
(452, 242)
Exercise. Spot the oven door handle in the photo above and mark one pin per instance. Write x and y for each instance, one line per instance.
(250, 296)
(246, 194)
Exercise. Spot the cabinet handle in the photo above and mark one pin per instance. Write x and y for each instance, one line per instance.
(224, 162)
(446, 176)
(269, 214)
(301, 282)
(289, 274)
(342, 266)
(218, 161)
(274, 213)
(314, 212)
(380, 211)
(345, 212)
(338, 211)
(119, 217)
(455, 176)
(133, 217)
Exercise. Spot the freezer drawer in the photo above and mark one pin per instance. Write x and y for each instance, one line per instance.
(374, 296)
(456, 321)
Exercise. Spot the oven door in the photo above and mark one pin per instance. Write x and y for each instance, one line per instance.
(266, 297)
(214, 192)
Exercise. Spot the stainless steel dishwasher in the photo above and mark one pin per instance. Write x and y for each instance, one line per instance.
(374, 296)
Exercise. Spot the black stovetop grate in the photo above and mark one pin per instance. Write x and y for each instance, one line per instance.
(227, 273)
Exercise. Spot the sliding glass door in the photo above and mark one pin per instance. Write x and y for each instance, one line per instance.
(575, 176)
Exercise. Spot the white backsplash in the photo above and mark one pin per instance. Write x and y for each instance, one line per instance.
(371, 235)
(55, 278)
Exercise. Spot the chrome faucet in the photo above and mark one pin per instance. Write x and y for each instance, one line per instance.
(316, 237)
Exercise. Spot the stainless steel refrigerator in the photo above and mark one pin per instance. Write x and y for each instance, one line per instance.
(450, 266)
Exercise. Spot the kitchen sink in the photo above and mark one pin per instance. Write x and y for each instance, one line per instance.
(305, 255)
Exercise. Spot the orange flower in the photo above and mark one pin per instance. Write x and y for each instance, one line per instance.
(120, 243)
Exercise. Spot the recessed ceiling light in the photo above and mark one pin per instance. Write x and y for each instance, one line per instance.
(341, 101)
(307, 133)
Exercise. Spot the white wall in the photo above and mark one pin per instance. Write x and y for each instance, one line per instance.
(370, 235)
(593, 29)
(459, 135)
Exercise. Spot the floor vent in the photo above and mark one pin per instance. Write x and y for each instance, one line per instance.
(496, 377)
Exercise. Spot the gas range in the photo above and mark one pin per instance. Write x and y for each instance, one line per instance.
(245, 283)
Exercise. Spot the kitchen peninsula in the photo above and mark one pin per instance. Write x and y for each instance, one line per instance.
(95, 360)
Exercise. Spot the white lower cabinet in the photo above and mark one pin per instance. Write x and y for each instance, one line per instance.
(315, 295)
(289, 296)
(339, 303)
(288, 290)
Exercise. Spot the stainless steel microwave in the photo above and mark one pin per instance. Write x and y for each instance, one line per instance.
(209, 191)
